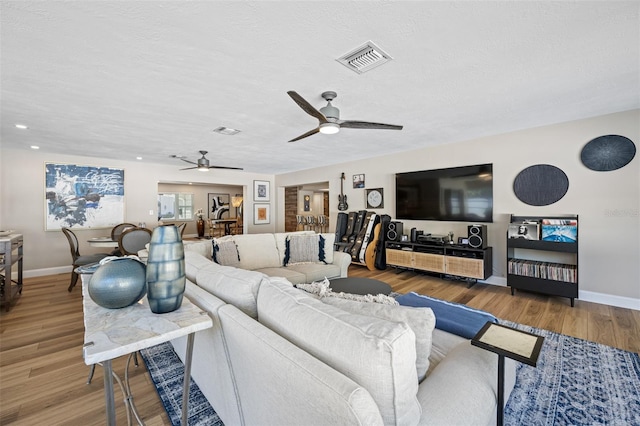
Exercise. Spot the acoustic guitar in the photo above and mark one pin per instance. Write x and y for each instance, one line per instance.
(372, 248)
(342, 199)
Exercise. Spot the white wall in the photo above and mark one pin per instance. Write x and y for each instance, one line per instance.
(607, 202)
(22, 201)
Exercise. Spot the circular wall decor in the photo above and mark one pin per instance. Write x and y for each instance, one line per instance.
(540, 185)
(606, 153)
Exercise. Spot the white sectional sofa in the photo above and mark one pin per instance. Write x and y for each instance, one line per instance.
(266, 253)
(277, 355)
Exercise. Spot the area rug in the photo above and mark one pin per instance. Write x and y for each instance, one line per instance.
(167, 373)
(576, 382)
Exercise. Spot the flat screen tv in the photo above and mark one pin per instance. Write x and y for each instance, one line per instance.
(460, 194)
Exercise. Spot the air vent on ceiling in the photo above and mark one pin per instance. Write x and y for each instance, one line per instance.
(226, 131)
(364, 58)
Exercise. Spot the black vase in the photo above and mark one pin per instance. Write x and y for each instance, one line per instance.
(200, 226)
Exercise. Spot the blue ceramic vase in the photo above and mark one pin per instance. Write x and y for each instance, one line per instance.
(165, 270)
(118, 283)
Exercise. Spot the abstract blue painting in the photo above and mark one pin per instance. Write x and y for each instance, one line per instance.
(83, 197)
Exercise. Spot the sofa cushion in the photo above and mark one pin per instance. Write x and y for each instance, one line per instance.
(452, 317)
(379, 355)
(421, 320)
(257, 251)
(315, 271)
(236, 286)
(203, 248)
(290, 274)
(193, 262)
(226, 253)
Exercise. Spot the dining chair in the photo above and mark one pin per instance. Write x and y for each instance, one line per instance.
(181, 228)
(215, 229)
(78, 259)
(132, 240)
(115, 235)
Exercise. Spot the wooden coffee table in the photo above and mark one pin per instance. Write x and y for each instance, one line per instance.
(357, 285)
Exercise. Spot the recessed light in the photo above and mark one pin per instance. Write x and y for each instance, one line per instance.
(138, 158)
(21, 126)
(35, 147)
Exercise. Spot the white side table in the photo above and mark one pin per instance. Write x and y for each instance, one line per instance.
(110, 333)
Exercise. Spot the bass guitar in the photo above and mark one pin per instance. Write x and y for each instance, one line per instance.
(342, 199)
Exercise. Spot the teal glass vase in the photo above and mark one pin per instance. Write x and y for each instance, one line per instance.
(166, 278)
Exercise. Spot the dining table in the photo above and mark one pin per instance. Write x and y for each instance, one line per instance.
(105, 241)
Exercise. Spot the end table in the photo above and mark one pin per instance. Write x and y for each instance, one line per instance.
(511, 343)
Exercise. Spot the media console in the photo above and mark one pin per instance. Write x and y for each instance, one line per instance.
(459, 261)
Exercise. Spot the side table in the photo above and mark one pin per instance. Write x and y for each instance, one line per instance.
(511, 343)
(110, 333)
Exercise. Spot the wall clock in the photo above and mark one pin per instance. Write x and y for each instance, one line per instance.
(375, 198)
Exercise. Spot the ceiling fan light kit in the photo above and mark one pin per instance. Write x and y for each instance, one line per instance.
(329, 117)
(329, 128)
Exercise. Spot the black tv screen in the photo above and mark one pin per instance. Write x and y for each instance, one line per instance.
(461, 194)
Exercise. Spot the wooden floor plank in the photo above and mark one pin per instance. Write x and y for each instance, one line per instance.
(43, 376)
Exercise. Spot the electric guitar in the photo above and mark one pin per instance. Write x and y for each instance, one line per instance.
(342, 199)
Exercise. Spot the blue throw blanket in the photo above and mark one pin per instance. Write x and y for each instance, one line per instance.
(451, 317)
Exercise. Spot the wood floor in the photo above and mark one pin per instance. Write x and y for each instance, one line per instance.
(43, 376)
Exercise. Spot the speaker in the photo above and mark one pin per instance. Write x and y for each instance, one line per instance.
(394, 231)
(477, 236)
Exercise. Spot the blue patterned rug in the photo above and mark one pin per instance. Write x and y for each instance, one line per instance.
(576, 382)
(167, 373)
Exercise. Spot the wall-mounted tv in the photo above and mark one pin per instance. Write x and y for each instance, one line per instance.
(461, 194)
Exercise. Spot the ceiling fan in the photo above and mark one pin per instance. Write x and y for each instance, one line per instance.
(329, 117)
(203, 163)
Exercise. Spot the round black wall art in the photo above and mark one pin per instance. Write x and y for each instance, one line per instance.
(606, 153)
(540, 185)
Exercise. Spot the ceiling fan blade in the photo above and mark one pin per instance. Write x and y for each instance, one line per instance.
(187, 161)
(352, 124)
(307, 107)
(309, 133)
(224, 167)
(189, 168)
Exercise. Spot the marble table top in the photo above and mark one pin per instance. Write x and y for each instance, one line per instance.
(110, 333)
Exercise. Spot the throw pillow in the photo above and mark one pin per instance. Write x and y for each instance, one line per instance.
(420, 320)
(225, 253)
(451, 317)
(304, 249)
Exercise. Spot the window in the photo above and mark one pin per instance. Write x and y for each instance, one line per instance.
(175, 206)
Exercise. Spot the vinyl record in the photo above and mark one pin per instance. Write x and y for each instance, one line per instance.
(540, 185)
(606, 153)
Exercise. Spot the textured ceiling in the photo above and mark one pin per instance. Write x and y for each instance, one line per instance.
(115, 79)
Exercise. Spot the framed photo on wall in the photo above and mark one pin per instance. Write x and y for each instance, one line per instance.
(358, 181)
(261, 214)
(261, 190)
(219, 205)
(83, 197)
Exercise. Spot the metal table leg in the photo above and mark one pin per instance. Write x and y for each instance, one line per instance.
(108, 393)
(187, 378)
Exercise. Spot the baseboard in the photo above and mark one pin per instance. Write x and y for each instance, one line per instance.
(609, 299)
(47, 271)
(587, 296)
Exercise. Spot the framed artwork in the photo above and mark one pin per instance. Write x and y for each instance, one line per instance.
(358, 181)
(219, 205)
(261, 190)
(83, 197)
(261, 214)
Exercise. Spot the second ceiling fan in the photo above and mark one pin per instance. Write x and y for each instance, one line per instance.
(329, 117)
